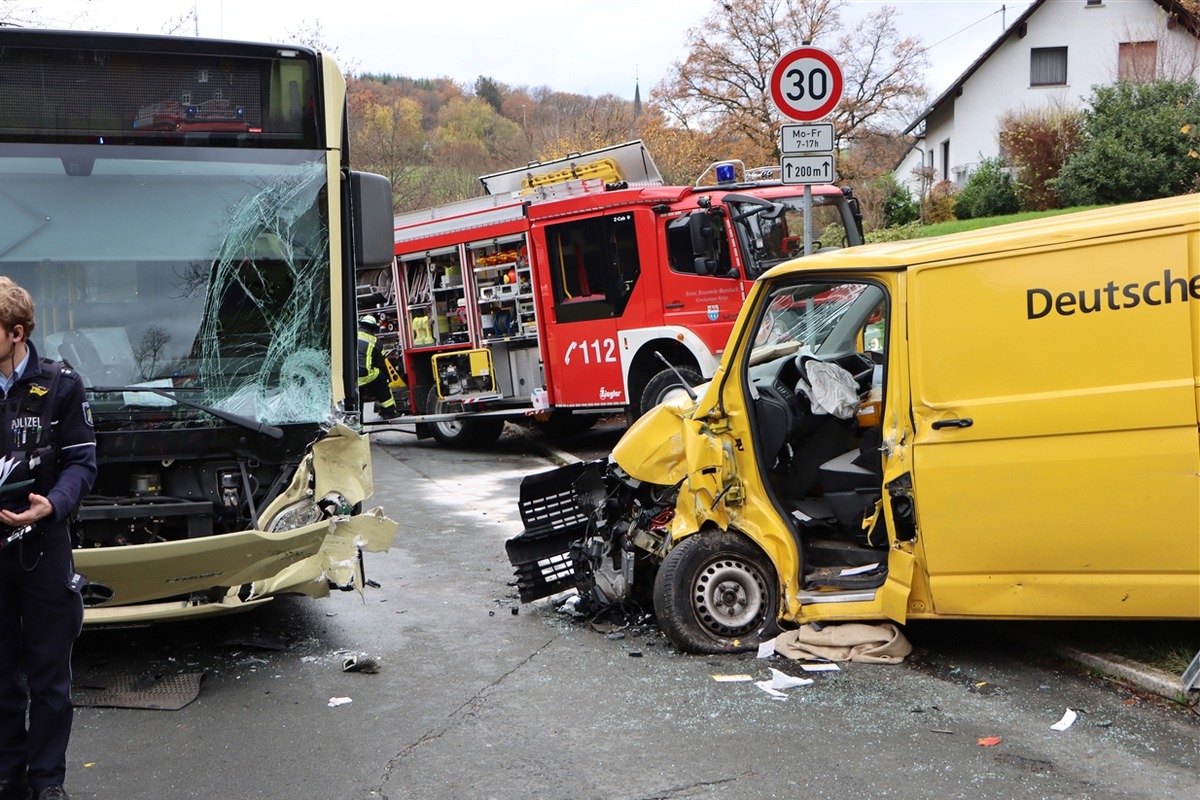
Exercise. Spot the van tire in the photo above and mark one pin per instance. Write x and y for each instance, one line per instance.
(464, 432)
(666, 383)
(716, 592)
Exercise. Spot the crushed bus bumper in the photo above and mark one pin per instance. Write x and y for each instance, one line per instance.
(311, 541)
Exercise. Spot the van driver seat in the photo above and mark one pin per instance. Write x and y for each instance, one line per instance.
(851, 490)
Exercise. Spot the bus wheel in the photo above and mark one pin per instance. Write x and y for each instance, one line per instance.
(465, 431)
(666, 384)
(716, 592)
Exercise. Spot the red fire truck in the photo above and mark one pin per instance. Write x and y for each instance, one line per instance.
(584, 286)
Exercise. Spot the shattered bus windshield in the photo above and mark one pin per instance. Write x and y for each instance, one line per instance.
(218, 294)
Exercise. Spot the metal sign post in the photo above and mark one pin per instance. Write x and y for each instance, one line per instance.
(806, 85)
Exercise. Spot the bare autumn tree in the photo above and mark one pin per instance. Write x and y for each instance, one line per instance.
(725, 79)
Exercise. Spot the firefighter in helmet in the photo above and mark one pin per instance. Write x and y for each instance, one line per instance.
(373, 383)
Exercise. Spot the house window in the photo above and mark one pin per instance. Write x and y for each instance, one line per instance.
(1094, 3)
(1048, 66)
(946, 160)
(1136, 61)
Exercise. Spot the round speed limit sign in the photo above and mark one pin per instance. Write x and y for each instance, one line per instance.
(806, 84)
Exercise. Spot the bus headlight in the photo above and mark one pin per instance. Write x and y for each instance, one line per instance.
(297, 515)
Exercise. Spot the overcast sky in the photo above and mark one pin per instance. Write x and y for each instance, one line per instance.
(590, 47)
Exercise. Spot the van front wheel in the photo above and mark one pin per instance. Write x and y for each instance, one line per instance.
(716, 592)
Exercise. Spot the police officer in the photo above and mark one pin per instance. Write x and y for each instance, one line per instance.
(373, 383)
(48, 457)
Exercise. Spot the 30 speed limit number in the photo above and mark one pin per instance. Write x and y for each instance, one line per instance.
(806, 84)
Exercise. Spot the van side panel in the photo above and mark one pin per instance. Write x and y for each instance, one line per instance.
(1193, 249)
(1075, 489)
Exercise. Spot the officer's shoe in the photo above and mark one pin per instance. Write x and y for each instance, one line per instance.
(51, 793)
(12, 789)
(388, 412)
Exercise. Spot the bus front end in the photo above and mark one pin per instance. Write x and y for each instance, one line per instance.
(180, 211)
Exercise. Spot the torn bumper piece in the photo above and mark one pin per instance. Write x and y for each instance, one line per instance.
(557, 509)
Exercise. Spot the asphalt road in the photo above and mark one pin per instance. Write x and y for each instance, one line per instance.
(480, 697)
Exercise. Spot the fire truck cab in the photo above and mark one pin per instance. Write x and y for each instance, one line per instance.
(583, 286)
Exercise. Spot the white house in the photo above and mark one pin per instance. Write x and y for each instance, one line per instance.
(1052, 55)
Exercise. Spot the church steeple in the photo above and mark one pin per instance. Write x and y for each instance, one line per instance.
(637, 108)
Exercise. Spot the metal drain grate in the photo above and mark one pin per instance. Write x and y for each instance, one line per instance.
(159, 692)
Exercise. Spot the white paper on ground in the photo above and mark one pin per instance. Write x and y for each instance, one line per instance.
(1068, 719)
(780, 680)
(766, 649)
(766, 687)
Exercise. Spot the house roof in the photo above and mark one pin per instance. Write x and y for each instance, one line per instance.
(1176, 9)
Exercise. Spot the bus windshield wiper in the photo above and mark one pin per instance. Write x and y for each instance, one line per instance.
(236, 419)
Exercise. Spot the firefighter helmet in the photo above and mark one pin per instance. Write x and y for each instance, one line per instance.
(369, 324)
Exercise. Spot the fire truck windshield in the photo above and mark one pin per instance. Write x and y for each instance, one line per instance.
(770, 239)
(201, 271)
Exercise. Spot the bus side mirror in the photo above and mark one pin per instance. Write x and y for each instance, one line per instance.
(372, 223)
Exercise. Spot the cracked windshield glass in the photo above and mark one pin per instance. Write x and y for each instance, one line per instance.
(202, 274)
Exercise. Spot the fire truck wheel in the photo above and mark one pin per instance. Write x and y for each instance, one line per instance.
(465, 431)
(716, 592)
(665, 384)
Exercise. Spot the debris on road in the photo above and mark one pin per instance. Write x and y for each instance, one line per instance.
(778, 682)
(334, 702)
(1068, 719)
(360, 663)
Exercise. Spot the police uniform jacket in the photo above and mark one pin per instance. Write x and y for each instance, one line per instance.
(48, 436)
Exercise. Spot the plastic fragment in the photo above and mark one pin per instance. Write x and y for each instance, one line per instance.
(988, 741)
(334, 702)
(366, 664)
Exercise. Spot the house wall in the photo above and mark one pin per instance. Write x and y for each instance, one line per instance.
(1091, 35)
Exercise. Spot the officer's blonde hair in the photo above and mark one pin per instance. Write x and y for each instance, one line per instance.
(16, 306)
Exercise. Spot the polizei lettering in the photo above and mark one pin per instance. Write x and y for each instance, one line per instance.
(1111, 297)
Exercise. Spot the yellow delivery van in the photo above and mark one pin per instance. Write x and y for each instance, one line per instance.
(995, 424)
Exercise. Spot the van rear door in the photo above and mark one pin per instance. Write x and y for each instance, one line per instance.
(1056, 461)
